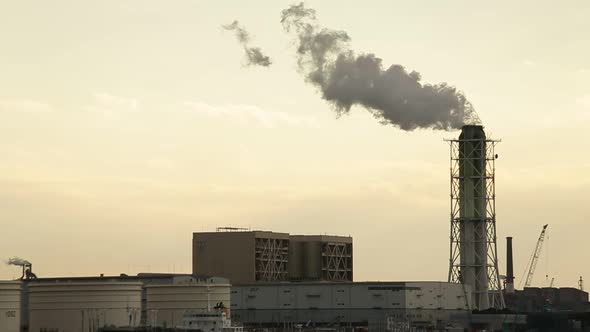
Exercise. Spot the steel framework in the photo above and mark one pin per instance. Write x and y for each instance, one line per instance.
(532, 265)
(271, 259)
(337, 261)
(473, 248)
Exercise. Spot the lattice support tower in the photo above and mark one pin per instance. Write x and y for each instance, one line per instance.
(473, 248)
(337, 261)
(271, 259)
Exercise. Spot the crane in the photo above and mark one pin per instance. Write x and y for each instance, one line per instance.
(533, 262)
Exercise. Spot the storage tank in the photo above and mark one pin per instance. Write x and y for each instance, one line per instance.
(10, 292)
(166, 304)
(83, 306)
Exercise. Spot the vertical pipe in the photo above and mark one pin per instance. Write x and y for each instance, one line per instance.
(509, 266)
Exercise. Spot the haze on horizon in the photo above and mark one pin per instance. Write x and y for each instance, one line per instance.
(127, 125)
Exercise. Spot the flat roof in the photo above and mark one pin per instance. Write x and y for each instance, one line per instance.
(340, 283)
(124, 277)
(280, 235)
(255, 233)
(322, 238)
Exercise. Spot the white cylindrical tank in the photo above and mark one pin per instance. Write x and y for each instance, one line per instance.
(166, 304)
(10, 292)
(83, 306)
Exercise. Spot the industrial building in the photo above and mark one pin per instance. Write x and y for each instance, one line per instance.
(548, 299)
(245, 256)
(347, 304)
(320, 257)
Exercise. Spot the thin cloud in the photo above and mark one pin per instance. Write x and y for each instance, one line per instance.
(108, 103)
(529, 62)
(252, 114)
(584, 100)
(24, 105)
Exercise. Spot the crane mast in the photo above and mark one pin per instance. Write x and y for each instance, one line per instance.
(535, 258)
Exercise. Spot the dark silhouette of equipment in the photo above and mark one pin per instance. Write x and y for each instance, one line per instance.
(27, 267)
(28, 272)
(535, 258)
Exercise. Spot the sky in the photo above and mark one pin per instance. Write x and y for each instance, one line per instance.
(127, 125)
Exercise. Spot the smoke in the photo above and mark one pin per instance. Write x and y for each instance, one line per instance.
(17, 261)
(393, 95)
(254, 55)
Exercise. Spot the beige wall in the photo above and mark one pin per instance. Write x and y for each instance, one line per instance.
(225, 254)
(80, 306)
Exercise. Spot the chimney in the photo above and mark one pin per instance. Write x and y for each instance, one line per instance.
(509, 267)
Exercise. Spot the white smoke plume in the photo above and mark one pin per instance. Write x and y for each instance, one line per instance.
(17, 261)
(254, 55)
(393, 95)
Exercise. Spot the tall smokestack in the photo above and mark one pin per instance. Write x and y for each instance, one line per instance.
(509, 267)
(473, 260)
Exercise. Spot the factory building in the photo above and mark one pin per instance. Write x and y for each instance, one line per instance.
(545, 299)
(245, 256)
(347, 303)
(241, 256)
(320, 257)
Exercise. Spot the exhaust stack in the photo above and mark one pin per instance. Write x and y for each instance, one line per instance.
(473, 260)
(509, 267)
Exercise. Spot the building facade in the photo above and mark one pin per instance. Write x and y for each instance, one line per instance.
(547, 299)
(246, 257)
(320, 257)
(242, 256)
(347, 303)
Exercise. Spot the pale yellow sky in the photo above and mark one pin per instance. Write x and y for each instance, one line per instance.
(127, 125)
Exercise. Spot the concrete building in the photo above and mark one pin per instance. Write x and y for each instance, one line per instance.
(241, 256)
(347, 303)
(320, 257)
(245, 256)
